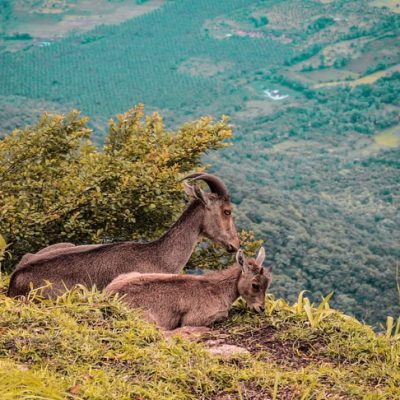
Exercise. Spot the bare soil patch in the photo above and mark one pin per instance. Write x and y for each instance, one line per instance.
(264, 343)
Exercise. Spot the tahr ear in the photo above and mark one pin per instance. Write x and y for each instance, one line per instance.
(260, 256)
(267, 271)
(195, 192)
(189, 190)
(241, 261)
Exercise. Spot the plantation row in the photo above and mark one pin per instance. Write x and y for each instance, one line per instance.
(134, 61)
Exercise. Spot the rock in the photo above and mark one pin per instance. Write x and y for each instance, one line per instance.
(223, 349)
(215, 346)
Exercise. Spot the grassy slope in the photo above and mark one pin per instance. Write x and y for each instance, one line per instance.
(87, 346)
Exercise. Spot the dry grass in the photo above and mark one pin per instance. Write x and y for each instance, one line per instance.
(392, 5)
(389, 137)
(365, 80)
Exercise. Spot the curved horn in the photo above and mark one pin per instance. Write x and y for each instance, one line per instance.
(215, 184)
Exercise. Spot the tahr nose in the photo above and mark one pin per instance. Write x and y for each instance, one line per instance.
(231, 248)
(233, 245)
(261, 309)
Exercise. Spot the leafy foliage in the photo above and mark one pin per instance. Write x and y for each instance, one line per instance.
(210, 256)
(3, 249)
(57, 186)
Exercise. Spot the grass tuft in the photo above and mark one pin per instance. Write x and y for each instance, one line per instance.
(88, 345)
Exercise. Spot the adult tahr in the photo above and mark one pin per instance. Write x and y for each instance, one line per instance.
(209, 214)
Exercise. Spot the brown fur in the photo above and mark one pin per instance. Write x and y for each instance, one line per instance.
(100, 264)
(172, 300)
(29, 257)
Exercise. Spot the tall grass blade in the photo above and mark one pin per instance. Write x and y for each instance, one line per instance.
(397, 329)
(299, 304)
(389, 326)
(308, 310)
(276, 383)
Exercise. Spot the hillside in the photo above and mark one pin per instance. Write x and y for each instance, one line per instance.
(312, 88)
(85, 345)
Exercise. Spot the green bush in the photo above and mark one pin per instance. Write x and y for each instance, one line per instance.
(211, 256)
(57, 186)
(3, 249)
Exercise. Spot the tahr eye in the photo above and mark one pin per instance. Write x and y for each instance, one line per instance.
(255, 286)
(227, 212)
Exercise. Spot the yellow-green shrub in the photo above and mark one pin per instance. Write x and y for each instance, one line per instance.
(57, 186)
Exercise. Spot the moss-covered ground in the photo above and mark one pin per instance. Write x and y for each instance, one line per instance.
(86, 345)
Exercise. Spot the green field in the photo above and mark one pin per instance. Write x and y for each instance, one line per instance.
(46, 21)
(389, 137)
(313, 169)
